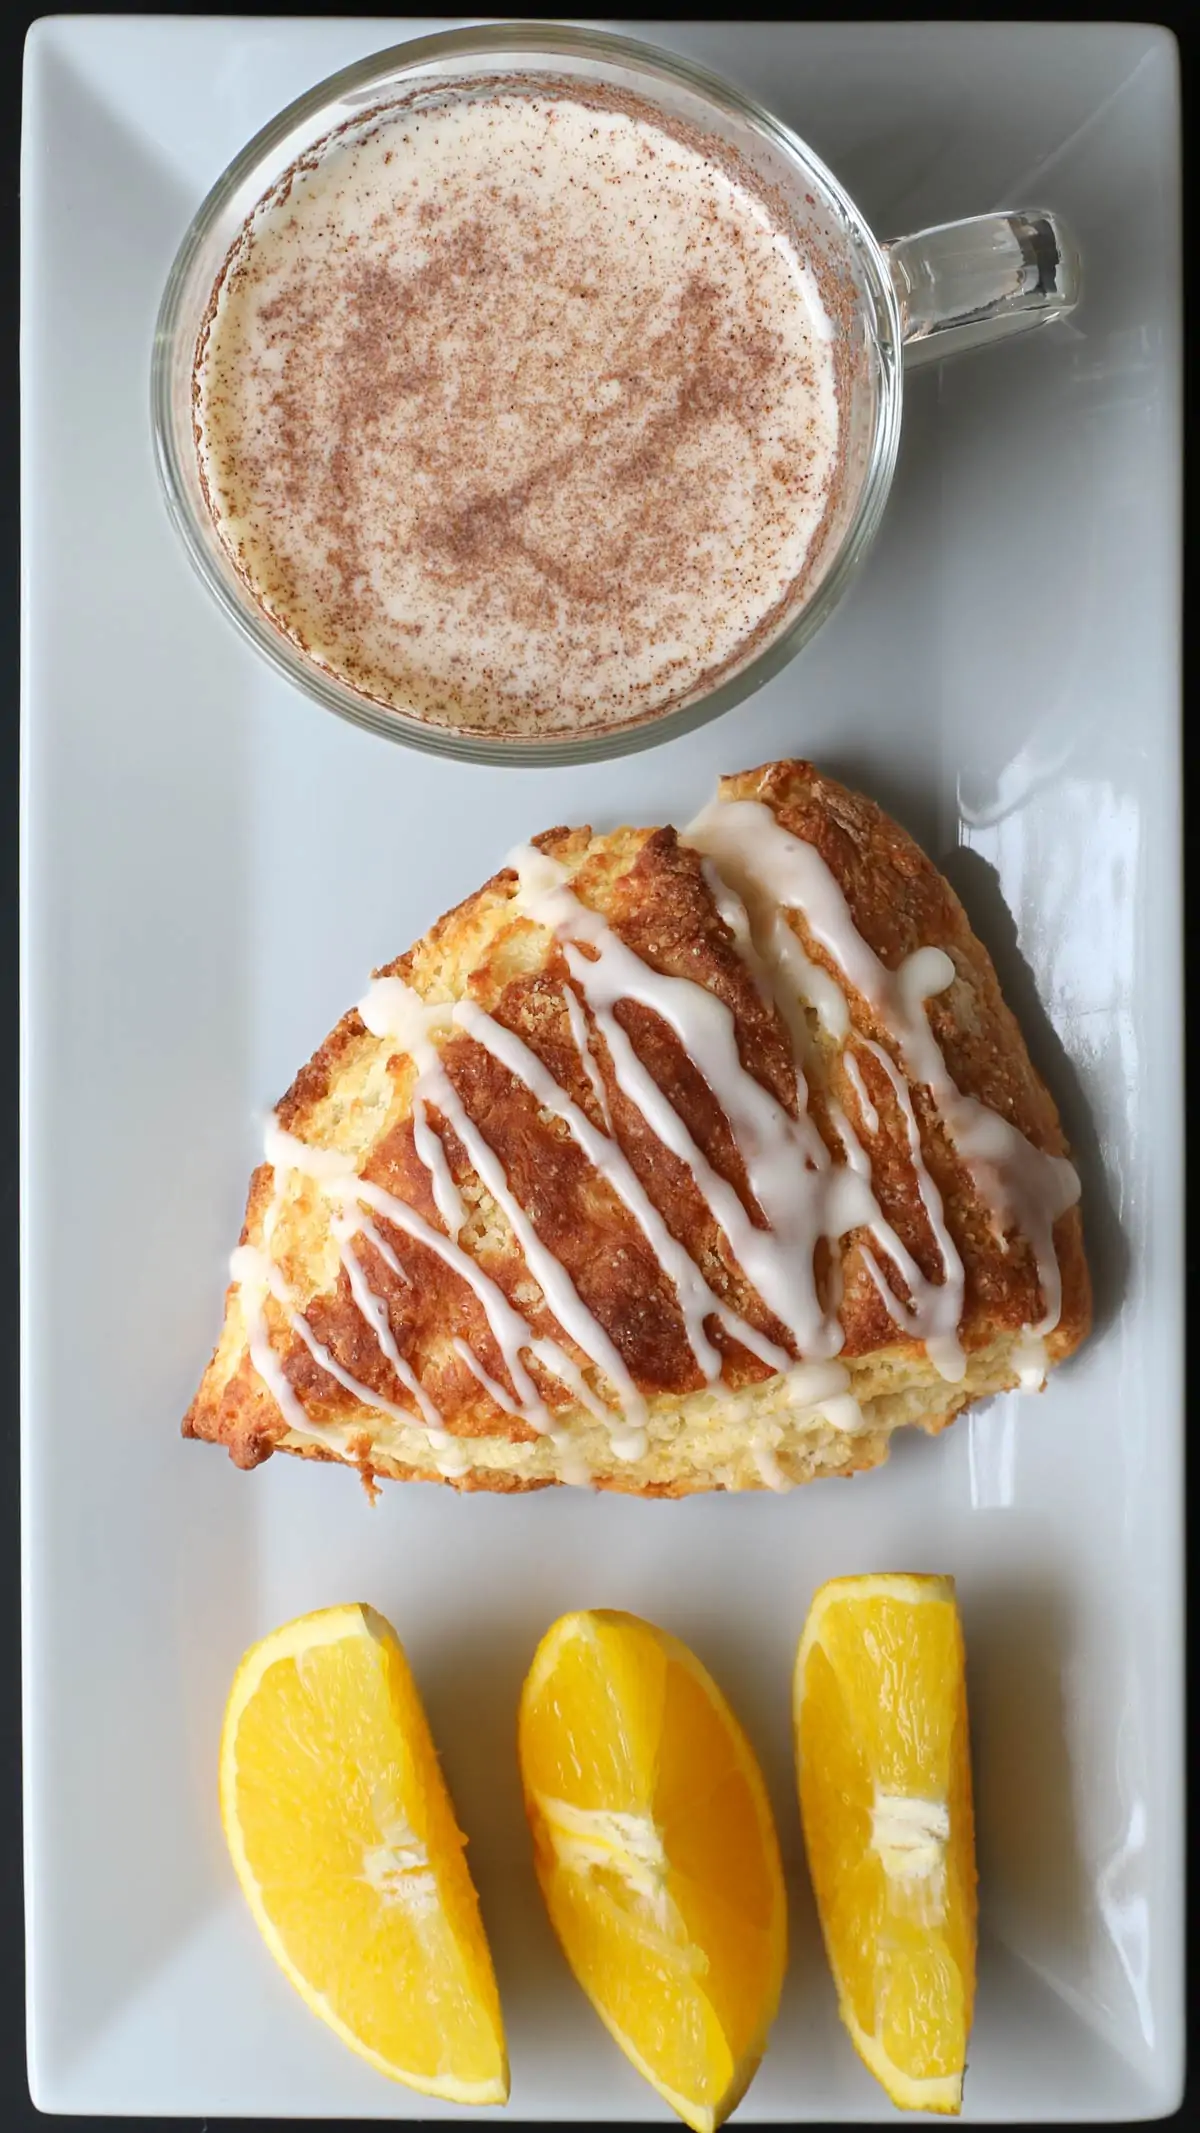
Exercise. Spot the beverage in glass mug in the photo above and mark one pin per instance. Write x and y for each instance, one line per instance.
(525, 393)
(518, 410)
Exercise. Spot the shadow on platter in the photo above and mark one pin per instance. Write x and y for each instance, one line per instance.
(1034, 1893)
(978, 885)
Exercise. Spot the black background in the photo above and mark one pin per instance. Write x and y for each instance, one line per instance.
(16, 2110)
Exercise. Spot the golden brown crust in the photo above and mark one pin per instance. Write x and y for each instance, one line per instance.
(651, 887)
(900, 902)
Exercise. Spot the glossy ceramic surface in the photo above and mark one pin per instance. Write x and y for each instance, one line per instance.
(211, 867)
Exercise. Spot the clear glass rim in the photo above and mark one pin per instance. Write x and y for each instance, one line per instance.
(201, 540)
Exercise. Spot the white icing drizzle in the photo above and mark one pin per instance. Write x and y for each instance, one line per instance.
(783, 974)
(509, 1330)
(937, 1307)
(1026, 1189)
(1030, 1360)
(695, 1297)
(815, 1384)
(807, 980)
(866, 1109)
(770, 1472)
(627, 1444)
(491, 1385)
(818, 1389)
(573, 1467)
(582, 1042)
(335, 1173)
(250, 1269)
(257, 1278)
(732, 912)
(843, 1413)
(391, 1009)
(697, 1301)
(801, 1193)
(446, 1195)
(324, 1166)
(935, 1310)
(273, 1282)
(555, 1359)
(932, 1315)
(329, 1363)
(772, 953)
(452, 1457)
(374, 1310)
(573, 1470)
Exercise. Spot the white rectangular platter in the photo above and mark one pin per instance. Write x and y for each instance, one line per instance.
(212, 865)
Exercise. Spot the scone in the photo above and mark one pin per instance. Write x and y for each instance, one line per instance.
(670, 1160)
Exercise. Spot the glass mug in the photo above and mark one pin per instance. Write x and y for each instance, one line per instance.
(908, 301)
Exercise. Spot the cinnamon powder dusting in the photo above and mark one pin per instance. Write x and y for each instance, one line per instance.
(519, 413)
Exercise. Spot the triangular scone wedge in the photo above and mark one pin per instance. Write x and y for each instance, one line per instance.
(670, 1160)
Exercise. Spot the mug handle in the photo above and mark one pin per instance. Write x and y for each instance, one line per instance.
(962, 285)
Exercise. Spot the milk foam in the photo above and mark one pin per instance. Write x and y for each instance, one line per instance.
(520, 414)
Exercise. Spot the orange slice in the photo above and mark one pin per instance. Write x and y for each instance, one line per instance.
(656, 1853)
(345, 1843)
(885, 1798)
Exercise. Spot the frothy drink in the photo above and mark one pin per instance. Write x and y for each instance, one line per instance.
(519, 413)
